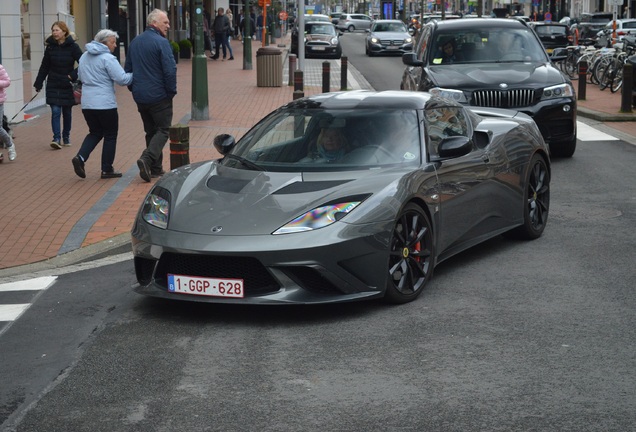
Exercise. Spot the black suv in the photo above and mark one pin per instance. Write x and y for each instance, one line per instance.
(552, 35)
(498, 63)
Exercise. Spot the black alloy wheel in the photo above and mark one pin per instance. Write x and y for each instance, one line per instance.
(536, 201)
(410, 256)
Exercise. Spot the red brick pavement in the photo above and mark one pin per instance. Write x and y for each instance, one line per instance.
(43, 200)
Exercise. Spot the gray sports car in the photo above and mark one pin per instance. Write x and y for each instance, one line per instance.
(340, 197)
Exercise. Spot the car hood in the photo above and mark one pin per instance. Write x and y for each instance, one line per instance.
(319, 37)
(390, 35)
(245, 202)
(492, 75)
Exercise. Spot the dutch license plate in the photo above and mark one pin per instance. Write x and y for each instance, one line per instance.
(211, 287)
(550, 50)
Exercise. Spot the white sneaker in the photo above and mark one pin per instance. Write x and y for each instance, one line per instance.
(12, 153)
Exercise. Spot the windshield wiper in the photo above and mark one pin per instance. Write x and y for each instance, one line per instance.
(245, 162)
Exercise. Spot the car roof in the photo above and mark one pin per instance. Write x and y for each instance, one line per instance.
(476, 23)
(388, 21)
(355, 99)
(547, 23)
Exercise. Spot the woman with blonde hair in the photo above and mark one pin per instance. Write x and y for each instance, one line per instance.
(58, 68)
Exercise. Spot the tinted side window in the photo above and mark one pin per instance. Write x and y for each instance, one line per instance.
(422, 43)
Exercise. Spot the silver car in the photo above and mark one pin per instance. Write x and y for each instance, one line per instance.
(352, 22)
(388, 37)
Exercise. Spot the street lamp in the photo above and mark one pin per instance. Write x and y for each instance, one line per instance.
(200, 105)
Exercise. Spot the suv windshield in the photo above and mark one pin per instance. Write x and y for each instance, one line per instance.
(485, 45)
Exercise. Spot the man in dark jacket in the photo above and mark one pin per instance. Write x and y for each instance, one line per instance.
(221, 27)
(151, 61)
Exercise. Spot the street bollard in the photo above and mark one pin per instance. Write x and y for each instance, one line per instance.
(179, 145)
(628, 87)
(326, 71)
(582, 79)
(344, 62)
(292, 68)
(298, 85)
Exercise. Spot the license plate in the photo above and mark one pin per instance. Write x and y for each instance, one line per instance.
(393, 47)
(211, 287)
(318, 48)
(549, 50)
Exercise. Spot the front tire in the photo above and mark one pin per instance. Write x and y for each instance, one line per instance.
(351, 28)
(536, 201)
(410, 256)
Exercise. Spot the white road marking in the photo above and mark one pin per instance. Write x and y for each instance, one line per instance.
(588, 133)
(11, 312)
(36, 284)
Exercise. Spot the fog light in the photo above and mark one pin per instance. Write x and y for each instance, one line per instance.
(567, 108)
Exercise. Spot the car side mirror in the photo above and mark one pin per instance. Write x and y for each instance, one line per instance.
(223, 143)
(452, 147)
(411, 31)
(410, 59)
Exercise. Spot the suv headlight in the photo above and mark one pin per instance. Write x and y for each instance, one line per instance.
(557, 91)
(452, 94)
(375, 40)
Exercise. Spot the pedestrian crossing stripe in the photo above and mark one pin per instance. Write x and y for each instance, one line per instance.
(11, 312)
(36, 284)
(588, 133)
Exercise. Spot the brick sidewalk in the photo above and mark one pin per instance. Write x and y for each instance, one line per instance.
(48, 211)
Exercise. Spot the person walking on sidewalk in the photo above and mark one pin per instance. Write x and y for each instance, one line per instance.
(221, 28)
(230, 33)
(155, 85)
(58, 68)
(99, 70)
(5, 82)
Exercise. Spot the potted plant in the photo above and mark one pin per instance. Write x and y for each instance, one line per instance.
(175, 50)
(185, 49)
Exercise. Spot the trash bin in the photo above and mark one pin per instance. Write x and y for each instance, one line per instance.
(269, 67)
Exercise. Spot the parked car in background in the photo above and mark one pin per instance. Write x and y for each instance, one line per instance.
(321, 40)
(335, 16)
(589, 24)
(496, 62)
(388, 37)
(285, 216)
(352, 22)
(624, 27)
(552, 35)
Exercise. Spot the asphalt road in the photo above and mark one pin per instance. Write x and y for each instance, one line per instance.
(509, 336)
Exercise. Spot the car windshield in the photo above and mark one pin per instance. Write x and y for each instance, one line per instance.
(389, 27)
(316, 139)
(547, 30)
(324, 29)
(485, 46)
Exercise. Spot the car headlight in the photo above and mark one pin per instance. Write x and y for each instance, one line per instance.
(455, 95)
(319, 217)
(558, 91)
(375, 40)
(334, 41)
(156, 208)
(408, 40)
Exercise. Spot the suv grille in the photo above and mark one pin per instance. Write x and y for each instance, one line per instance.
(503, 98)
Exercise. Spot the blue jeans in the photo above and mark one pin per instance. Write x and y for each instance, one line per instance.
(65, 111)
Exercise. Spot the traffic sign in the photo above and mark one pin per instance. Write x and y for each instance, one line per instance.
(282, 15)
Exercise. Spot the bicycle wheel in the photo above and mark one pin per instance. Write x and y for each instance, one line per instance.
(617, 82)
(599, 69)
(570, 64)
(607, 76)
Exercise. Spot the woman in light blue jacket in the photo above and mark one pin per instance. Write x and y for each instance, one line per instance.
(98, 71)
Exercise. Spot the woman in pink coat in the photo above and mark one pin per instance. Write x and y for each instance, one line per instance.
(5, 82)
